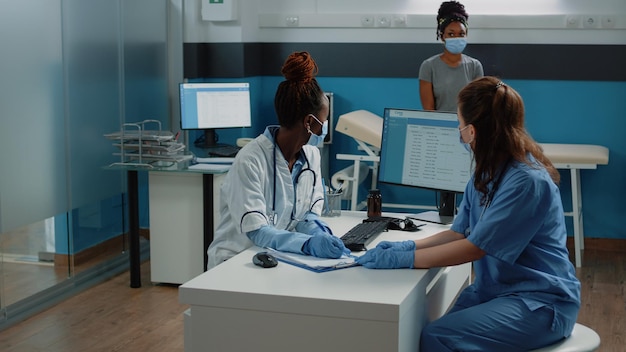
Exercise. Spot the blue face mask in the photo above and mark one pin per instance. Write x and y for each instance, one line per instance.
(455, 45)
(315, 139)
(465, 145)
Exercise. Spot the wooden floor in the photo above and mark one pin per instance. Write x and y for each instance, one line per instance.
(108, 317)
(114, 317)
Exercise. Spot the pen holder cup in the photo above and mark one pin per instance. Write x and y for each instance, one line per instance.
(332, 205)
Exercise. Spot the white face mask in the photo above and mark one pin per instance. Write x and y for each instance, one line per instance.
(315, 139)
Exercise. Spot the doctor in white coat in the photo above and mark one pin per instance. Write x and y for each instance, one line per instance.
(273, 194)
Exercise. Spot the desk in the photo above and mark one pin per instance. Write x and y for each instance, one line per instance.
(184, 209)
(576, 157)
(238, 306)
(206, 188)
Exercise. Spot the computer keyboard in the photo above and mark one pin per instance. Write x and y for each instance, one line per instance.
(224, 151)
(358, 237)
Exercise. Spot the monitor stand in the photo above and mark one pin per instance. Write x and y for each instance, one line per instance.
(445, 215)
(215, 149)
(210, 139)
(432, 216)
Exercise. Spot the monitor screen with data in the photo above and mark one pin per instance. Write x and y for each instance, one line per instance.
(422, 149)
(209, 106)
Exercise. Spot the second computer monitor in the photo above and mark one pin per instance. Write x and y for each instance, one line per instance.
(422, 149)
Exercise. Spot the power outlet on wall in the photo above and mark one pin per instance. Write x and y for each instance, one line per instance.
(367, 20)
(292, 21)
(591, 21)
(398, 20)
(383, 21)
(608, 21)
(572, 22)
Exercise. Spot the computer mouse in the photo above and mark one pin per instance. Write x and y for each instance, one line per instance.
(264, 260)
(403, 225)
(410, 226)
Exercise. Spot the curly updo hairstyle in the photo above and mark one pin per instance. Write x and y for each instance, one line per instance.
(450, 11)
(299, 94)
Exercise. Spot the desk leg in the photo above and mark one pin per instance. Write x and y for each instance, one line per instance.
(133, 222)
(577, 216)
(207, 205)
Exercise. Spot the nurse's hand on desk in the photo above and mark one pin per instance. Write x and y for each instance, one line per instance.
(397, 246)
(379, 258)
(324, 246)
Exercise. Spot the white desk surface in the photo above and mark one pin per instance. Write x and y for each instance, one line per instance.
(335, 293)
(238, 306)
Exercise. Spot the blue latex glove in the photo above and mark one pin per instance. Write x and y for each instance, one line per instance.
(322, 230)
(398, 246)
(379, 258)
(319, 232)
(324, 246)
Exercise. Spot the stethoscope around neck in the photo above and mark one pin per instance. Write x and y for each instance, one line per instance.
(272, 216)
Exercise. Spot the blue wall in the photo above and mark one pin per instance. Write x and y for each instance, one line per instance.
(585, 112)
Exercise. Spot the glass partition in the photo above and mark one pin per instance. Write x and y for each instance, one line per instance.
(100, 64)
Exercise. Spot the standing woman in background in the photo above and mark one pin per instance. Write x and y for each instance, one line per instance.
(442, 76)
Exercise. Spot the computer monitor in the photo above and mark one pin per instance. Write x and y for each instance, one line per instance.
(209, 106)
(421, 149)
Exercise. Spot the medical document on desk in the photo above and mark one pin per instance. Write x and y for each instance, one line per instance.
(318, 265)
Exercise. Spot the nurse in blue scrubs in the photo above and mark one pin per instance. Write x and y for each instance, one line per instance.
(510, 224)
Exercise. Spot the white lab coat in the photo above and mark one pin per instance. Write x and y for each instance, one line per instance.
(247, 194)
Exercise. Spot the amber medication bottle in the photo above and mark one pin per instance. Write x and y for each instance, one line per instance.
(374, 203)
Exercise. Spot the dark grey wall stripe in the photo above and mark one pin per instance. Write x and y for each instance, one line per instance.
(510, 61)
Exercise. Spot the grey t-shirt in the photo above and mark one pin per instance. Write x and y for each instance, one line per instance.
(448, 81)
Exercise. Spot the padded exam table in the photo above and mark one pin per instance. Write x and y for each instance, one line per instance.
(576, 157)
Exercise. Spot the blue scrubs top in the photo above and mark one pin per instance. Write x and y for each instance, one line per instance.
(523, 234)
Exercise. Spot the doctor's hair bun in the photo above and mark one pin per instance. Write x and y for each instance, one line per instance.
(299, 66)
(299, 94)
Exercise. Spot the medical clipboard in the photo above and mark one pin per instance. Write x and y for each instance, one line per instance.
(318, 265)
